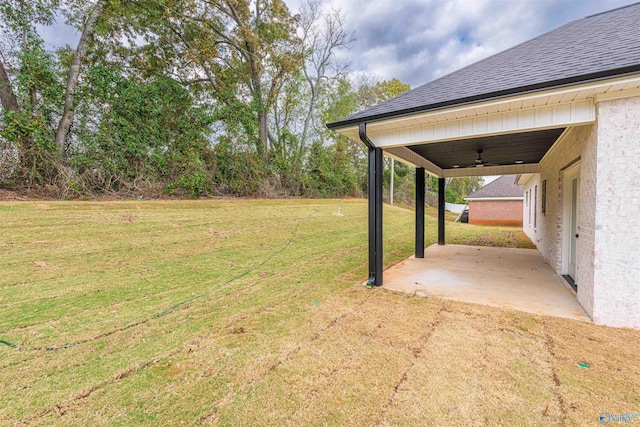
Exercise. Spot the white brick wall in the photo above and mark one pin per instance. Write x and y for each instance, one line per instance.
(617, 214)
(609, 218)
(586, 221)
(529, 225)
(577, 144)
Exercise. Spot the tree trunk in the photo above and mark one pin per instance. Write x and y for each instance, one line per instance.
(264, 135)
(74, 74)
(7, 96)
(310, 110)
(257, 91)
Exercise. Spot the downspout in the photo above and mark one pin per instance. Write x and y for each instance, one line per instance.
(363, 136)
(375, 211)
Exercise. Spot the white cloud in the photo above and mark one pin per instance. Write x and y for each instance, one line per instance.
(419, 40)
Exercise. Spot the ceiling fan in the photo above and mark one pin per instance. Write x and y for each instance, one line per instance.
(479, 162)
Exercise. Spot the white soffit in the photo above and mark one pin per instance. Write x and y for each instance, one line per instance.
(524, 178)
(562, 107)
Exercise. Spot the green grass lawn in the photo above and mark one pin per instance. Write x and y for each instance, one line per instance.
(252, 312)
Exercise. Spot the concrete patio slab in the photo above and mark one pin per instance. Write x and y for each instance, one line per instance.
(518, 279)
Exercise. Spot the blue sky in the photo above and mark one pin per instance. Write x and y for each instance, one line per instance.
(417, 41)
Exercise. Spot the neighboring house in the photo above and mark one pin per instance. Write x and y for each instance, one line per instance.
(497, 203)
(561, 110)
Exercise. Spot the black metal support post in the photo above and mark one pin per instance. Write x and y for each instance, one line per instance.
(419, 212)
(375, 209)
(378, 214)
(372, 216)
(441, 211)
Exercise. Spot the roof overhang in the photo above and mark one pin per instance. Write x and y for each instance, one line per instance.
(505, 124)
(523, 179)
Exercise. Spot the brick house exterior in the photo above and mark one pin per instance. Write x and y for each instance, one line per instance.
(561, 112)
(608, 157)
(497, 203)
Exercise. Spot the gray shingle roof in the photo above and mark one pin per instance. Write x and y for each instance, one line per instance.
(504, 186)
(596, 47)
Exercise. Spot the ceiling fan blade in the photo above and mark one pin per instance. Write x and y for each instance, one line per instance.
(480, 162)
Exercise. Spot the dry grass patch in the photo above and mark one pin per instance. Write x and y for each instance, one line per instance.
(252, 313)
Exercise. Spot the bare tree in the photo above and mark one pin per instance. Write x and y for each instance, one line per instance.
(74, 74)
(323, 34)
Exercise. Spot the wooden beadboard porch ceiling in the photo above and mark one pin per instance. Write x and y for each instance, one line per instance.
(510, 149)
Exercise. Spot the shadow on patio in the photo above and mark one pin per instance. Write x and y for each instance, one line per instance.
(518, 279)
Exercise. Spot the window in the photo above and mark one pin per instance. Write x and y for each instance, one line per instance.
(535, 207)
(543, 204)
(529, 204)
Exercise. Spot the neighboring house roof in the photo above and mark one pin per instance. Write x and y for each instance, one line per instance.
(502, 188)
(593, 48)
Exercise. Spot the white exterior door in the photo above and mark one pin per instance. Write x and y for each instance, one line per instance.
(574, 236)
(570, 224)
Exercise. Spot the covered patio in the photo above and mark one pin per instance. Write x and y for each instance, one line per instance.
(496, 137)
(518, 279)
(561, 111)
(485, 134)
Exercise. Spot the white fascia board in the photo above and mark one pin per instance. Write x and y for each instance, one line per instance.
(610, 96)
(492, 199)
